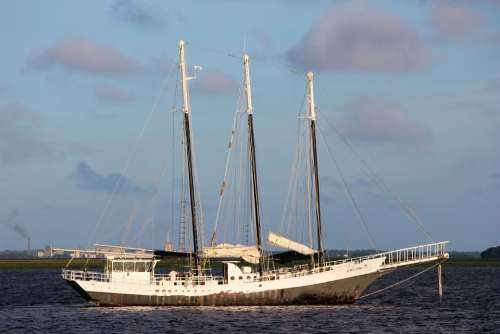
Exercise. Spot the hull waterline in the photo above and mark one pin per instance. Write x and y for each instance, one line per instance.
(344, 291)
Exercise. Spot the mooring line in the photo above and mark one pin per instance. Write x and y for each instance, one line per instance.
(400, 282)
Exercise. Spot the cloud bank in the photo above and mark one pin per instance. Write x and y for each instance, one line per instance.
(80, 54)
(20, 139)
(379, 122)
(88, 179)
(455, 21)
(137, 13)
(214, 83)
(355, 36)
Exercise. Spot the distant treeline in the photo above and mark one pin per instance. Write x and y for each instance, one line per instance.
(491, 253)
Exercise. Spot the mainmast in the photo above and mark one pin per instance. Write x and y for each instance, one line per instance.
(312, 117)
(251, 154)
(189, 150)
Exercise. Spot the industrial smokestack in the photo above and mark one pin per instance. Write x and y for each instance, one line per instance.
(29, 244)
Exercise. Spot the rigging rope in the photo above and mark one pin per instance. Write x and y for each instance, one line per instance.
(410, 212)
(214, 51)
(133, 151)
(174, 161)
(148, 217)
(276, 58)
(183, 198)
(354, 203)
(293, 181)
(228, 160)
(400, 282)
(133, 213)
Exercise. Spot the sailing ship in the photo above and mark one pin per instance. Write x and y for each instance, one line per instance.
(249, 276)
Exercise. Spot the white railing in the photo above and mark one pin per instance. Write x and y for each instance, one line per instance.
(82, 275)
(395, 258)
(410, 254)
(187, 278)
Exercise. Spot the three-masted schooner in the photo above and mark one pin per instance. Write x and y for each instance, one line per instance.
(129, 276)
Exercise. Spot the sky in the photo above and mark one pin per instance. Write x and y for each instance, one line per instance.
(88, 89)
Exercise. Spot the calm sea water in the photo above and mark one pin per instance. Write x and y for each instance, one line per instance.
(39, 301)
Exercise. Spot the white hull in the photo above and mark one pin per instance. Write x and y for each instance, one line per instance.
(337, 282)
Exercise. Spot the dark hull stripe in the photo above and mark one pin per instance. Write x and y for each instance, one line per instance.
(344, 291)
(79, 289)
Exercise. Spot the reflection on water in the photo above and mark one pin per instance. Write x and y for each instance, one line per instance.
(40, 301)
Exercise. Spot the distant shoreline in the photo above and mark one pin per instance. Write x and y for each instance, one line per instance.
(79, 263)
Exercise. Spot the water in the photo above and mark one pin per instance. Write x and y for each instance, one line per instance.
(39, 301)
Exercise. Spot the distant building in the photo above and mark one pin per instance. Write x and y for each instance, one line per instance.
(47, 252)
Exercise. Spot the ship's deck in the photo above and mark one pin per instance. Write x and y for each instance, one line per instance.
(392, 259)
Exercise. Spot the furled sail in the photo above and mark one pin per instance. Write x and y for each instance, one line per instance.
(250, 254)
(280, 241)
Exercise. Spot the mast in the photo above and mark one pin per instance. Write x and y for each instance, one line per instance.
(251, 153)
(189, 151)
(312, 116)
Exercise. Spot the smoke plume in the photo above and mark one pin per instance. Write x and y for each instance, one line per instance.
(15, 227)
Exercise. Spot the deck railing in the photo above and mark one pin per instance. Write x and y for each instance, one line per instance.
(83, 275)
(410, 254)
(395, 258)
(182, 278)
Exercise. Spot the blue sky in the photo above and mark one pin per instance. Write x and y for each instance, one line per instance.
(414, 85)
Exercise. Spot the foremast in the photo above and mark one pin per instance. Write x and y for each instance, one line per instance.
(186, 109)
(314, 160)
(252, 158)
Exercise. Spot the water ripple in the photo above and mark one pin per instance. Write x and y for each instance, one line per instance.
(39, 301)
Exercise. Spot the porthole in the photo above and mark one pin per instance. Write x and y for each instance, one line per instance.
(241, 277)
(248, 277)
(232, 278)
